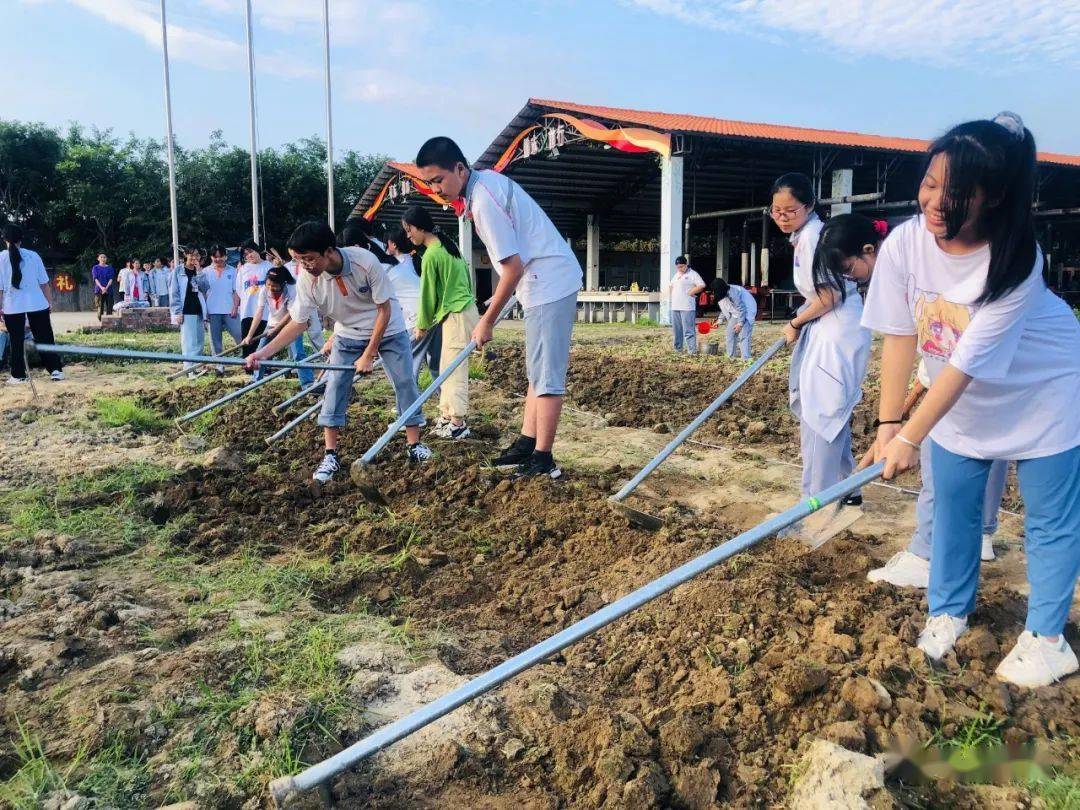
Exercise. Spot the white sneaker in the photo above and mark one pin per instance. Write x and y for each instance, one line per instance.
(940, 635)
(987, 548)
(419, 453)
(57, 376)
(1036, 662)
(453, 432)
(326, 469)
(904, 570)
(17, 380)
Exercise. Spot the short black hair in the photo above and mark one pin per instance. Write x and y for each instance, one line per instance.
(800, 186)
(249, 244)
(681, 260)
(280, 275)
(720, 287)
(217, 250)
(312, 237)
(442, 152)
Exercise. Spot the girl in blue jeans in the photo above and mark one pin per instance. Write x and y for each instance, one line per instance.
(962, 285)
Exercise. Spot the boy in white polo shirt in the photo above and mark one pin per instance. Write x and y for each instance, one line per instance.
(350, 285)
(683, 289)
(534, 261)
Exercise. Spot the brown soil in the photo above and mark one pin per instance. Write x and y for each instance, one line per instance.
(706, 697)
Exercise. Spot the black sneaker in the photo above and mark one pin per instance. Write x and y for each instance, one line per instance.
(419, 453)
(516, 454)
(326, 469)
(852, 500)
(537, 465)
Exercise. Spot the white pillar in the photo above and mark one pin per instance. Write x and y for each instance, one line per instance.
(753, 264)
(464, 238)
(592, 253)
(843, 180)
(722, 244)
(671, 222)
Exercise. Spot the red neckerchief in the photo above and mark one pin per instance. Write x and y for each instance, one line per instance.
(459, 207)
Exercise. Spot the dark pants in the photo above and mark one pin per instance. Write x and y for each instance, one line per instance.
(435, 352)
(104, 303)
(43, 333)
(245, 325)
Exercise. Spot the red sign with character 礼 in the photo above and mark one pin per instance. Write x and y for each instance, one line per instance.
(64, 282)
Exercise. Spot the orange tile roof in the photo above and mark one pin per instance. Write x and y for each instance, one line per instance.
(671, 122)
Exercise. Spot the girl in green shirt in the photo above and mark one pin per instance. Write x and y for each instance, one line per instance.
(446, 295)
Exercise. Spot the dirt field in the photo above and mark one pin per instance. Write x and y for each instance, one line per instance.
(181, 622)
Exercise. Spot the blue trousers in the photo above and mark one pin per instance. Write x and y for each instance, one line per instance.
(192, 336)
(222, 323)
(924, 507)
(396, 353)
(684, 328)
(743, 338)
(1050, 487)
(824, 463)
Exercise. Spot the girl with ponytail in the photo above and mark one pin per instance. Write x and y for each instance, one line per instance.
(447, 297)
(962, 285)
(24, 295)
(405, 277)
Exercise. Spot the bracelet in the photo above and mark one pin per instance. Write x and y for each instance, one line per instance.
(791, 323)
(880, 422)
(908, 442)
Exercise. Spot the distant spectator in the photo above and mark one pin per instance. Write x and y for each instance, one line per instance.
(122, 281)
(104, 278)
(159, 284)
(24, 293)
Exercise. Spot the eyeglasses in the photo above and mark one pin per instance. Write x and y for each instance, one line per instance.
(785, 213)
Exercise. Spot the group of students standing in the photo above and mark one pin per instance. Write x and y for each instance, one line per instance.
(961, 285)
(137, 284)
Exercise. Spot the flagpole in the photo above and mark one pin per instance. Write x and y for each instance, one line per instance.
(254, 144)
(329, 119)
(169, 140)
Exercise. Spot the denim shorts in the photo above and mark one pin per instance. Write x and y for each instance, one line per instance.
(396, 354)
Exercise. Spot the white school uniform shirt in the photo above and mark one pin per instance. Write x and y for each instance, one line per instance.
(837, 349)
(1022, 351)
(349, 298)
(679, 287)
(406, 287)
(274, 311)
(738, 305)
(250, 281)
(27, 297)
(315, 324)
(122, 277)
(508, 222)
(220, 289)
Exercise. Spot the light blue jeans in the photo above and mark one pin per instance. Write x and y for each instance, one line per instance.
(1050, 487)
(924, 507)
(192, 336)
(296, 352)
(743, 338)
(825, 463)
(684, 328)
(396, 354)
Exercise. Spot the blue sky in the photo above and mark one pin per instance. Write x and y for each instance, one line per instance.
(404, 70)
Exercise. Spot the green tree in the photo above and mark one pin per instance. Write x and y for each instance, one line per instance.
(29, 154)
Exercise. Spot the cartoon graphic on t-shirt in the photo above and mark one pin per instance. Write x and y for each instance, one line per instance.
(940, 324)
(252, 283)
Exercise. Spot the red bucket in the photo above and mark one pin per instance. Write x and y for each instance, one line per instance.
(704, 327)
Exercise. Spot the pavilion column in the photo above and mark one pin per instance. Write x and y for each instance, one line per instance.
(464, 229)
(671, 225)
(723, 243)
(592, 253)
(843, 181)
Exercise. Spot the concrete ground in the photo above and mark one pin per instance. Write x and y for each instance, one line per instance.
(63, 322)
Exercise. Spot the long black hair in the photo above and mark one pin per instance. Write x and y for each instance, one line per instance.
(357, 232)
(419, 218)
(800, 186)
(842, 237)
(997, 157)
(13, 236)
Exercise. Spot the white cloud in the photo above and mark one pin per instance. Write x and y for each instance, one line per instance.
(188, 43)
(937, 32)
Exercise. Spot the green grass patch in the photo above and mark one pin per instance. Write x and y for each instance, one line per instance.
(117, 775)
(1058, 792)
(126, 411)
(424, 379)
(143, 341)
(35, 776)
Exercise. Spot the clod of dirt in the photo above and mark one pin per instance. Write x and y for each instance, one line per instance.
(221, 458)
(836, 779)
(192, 442)
(977, 645)
(866, 694)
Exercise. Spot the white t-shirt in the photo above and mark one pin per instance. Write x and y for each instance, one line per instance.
(805, 243)
(508, 222)
(1021, 351)
(250, 281)
(680, 286)
(219, 299)
(350, 298)
(406, 288)
(28, 297)
(122, 278)
(274, 311)
(738, 297)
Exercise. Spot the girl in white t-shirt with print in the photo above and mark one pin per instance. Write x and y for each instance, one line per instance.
(831, 350)
(962, 285)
